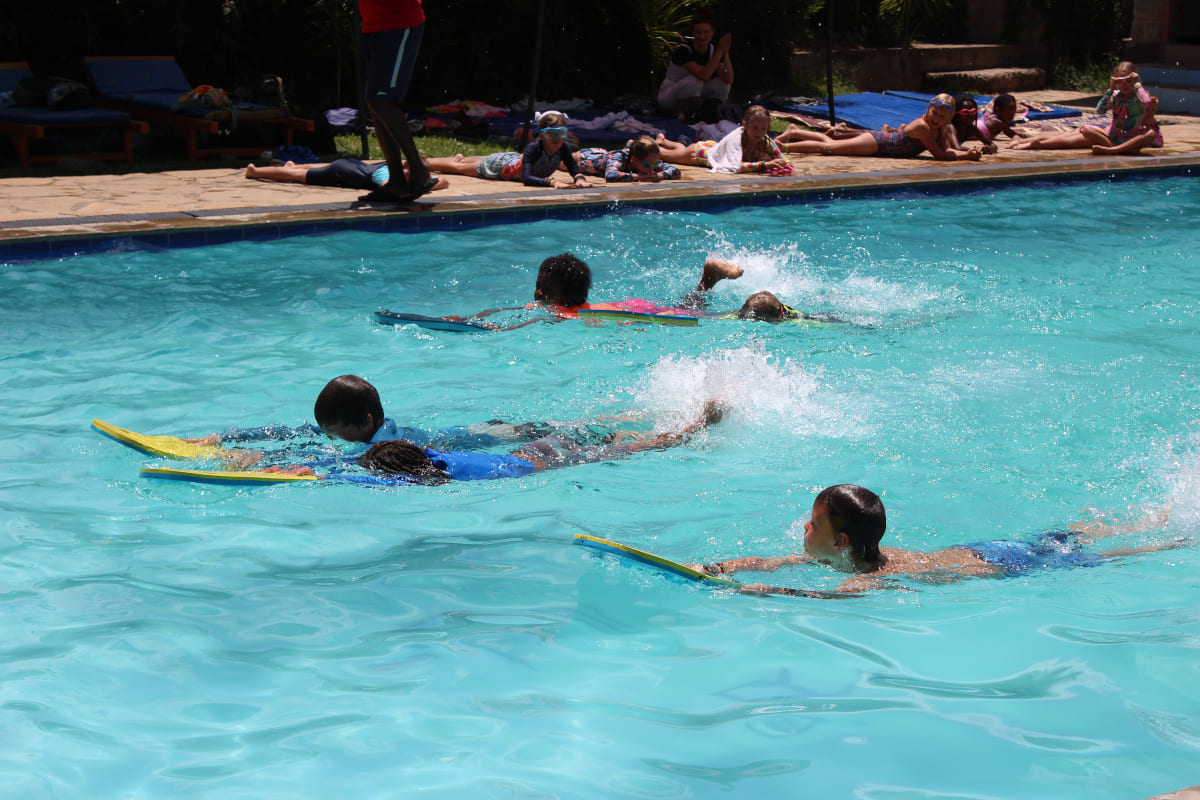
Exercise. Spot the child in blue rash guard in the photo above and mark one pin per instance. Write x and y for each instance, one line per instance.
(639, 160)
(427, 465)
(349, 408)
(848, 521)
(534, 166)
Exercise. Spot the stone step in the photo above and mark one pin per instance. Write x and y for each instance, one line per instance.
(988, 81)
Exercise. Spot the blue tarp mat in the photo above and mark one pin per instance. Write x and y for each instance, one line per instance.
(873, 110)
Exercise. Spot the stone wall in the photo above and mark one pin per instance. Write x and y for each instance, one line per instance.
(882, 68)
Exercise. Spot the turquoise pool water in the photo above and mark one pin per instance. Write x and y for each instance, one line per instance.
(1015, 359)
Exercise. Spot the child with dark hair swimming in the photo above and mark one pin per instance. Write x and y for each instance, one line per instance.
(429, 465)
(848, 522)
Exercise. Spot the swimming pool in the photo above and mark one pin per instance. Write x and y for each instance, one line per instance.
(1012, 357)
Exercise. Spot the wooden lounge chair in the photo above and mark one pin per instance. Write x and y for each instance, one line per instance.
(23, 123)
(150, 86)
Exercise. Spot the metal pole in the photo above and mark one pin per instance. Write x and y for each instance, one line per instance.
(360, 88)
(829, 57)
(533, 81)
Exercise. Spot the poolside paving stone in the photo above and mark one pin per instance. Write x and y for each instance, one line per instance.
(92, 207)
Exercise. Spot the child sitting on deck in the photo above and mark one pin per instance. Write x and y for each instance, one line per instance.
(1127, 100)
(1145, 135)
(927, 132)
(534, 166)
(640, 160)
(749, 148)
(848, 521)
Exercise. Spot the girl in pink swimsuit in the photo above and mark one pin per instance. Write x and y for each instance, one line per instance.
(924, 133)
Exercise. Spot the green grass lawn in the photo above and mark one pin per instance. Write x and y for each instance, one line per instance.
(346, 145)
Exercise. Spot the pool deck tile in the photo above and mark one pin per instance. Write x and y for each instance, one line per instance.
(58, 215)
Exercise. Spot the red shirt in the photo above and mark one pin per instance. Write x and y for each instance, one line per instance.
(390, 15)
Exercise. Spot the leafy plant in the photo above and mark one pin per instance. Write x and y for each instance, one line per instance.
(912, 14)
(661, 22)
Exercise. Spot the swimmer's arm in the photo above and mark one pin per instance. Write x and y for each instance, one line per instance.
(712, 413)
(289, 470)
(753, 563)
(266, 433)
(788, 591)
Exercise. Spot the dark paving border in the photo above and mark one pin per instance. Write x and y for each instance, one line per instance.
(463, 211)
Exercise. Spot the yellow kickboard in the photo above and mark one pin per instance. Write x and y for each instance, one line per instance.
(230, 477)
(665, 564)
(166, 446)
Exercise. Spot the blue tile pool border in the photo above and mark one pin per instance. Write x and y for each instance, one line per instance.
(922, 184)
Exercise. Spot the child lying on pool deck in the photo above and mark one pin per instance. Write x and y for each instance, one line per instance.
(427, 465)
(848, 522)
(640, 160)
(748, 148)
(344, 173)
(534, 166)
(927, 132)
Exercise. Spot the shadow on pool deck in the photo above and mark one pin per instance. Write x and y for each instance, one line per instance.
(115, 205)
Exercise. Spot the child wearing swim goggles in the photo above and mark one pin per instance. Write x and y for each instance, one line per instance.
(534, 166)
(1126, 98)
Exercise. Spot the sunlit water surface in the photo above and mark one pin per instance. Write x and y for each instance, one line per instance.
(1013, 360)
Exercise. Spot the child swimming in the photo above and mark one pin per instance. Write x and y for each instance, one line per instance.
(848, 521)
(927, 132)
(534, 166)
(427, 465)
(564, 281)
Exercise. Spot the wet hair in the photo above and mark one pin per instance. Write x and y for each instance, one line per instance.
(399, 457)
(858, 513)
(348, 399)
(644, 148)
(552, 119)
(766, 307)
(757, 112)
(563, 280)
(1002, 101)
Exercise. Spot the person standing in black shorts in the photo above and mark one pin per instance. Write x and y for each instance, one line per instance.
(391, 37)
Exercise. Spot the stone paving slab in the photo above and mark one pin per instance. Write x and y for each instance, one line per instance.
(104, 205)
